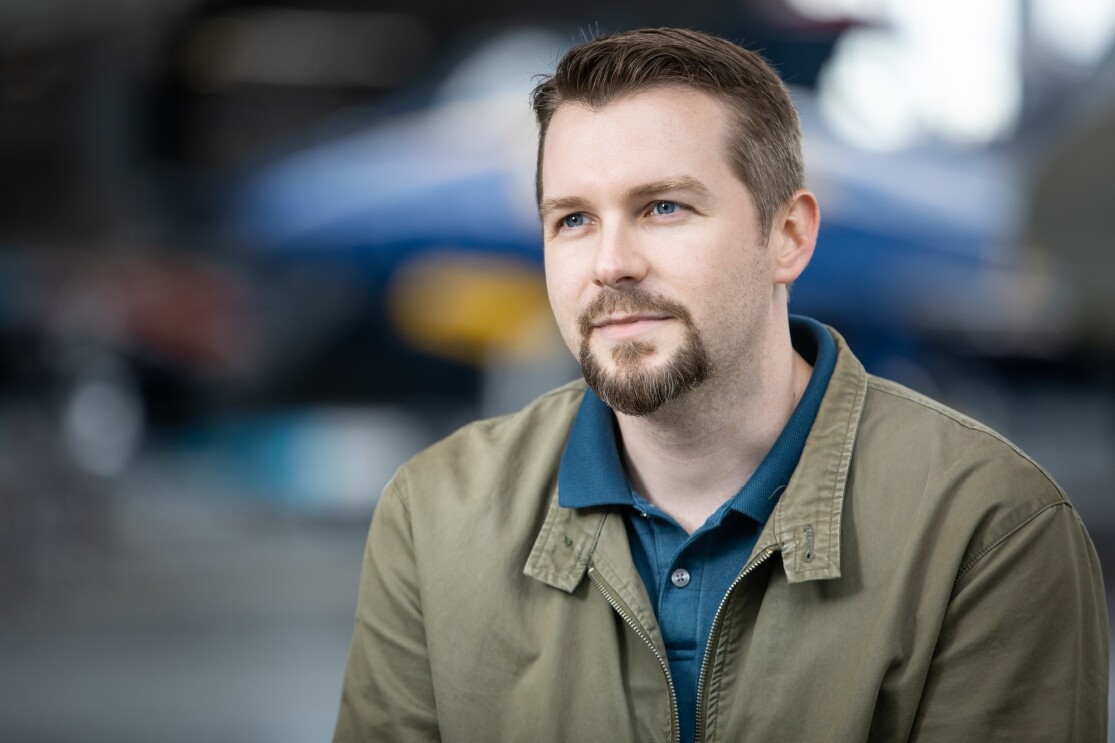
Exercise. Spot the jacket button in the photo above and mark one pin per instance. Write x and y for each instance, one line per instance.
(680, 577)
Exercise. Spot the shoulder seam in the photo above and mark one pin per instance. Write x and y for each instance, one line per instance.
(394, 489)
(974, 559)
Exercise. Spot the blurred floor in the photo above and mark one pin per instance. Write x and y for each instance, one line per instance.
(200, 621)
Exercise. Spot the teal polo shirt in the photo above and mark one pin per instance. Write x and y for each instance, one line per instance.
(687, 575)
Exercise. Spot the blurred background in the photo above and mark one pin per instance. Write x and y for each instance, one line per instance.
(256, 253)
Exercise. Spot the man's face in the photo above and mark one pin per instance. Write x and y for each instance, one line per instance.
(657, 273)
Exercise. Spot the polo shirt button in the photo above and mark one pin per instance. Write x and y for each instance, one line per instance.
(680, 577)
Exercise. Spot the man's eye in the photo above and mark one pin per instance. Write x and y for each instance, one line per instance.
(662, 208)
(573, 221)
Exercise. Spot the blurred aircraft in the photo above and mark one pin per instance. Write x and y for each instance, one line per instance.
(917, 248)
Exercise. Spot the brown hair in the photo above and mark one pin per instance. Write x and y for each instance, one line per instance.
(765, 146)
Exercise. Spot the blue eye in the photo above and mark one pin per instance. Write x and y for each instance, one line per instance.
(662, 208)
(573, 221)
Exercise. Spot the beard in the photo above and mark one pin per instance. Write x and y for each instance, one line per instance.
(634, 387)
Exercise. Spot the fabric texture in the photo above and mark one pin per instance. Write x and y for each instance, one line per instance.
(920, 579)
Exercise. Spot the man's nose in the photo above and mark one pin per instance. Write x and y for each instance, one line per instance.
(619, 259)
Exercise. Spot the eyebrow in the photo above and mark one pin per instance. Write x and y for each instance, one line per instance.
(680, 183)
(561, 204)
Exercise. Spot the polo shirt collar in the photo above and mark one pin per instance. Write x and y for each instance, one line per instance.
(591, 472)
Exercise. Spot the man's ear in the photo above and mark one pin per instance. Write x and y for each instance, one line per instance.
(794, 235)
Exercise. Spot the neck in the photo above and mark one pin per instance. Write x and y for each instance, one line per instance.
(695, 453)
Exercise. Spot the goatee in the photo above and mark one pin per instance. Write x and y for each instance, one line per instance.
(635, 388)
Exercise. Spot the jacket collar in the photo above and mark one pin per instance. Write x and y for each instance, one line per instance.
(805, 526)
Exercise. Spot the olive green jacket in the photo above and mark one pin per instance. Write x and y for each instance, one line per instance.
(920, 579)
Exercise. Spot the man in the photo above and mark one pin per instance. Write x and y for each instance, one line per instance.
(734, 533)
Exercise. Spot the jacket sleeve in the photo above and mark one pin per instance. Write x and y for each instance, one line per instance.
(1023, 652)
(388, 691)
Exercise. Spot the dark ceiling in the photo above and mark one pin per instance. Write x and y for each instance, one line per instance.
(104, 119)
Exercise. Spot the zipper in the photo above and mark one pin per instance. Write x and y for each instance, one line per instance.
(712, 638)
(622, 610)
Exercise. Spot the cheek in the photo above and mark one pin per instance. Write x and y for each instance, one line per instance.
(722, 290)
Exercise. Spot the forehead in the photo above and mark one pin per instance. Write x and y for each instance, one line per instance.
(643, 135)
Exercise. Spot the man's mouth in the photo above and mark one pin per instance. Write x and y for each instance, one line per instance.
(626, 318)
(628, 313)
(624, 326)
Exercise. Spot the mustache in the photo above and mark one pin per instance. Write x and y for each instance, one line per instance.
(633, 299)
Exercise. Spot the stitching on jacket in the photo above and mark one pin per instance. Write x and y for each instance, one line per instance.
(537, 551)
(971, 562)
(842, 469)
(845, 466)
(394, 487)
(728, 646)
(586, 551)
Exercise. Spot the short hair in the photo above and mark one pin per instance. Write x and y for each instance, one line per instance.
(764, 148)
